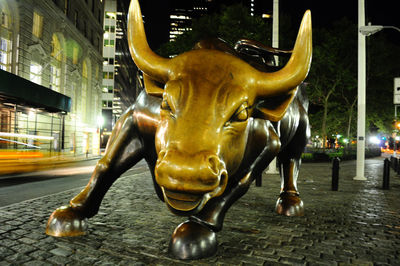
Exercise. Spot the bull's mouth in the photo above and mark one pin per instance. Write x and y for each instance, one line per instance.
(181, 201)
(184, 203)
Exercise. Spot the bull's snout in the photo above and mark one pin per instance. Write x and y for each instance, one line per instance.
(189, 181)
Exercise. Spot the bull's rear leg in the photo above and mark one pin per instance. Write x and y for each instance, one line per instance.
(289, 202)
(124, 150)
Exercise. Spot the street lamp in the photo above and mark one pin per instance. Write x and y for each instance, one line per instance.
(363, 31)
(372, 29)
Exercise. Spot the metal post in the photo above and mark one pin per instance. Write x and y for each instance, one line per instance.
(395, 129)
(386, 174)
(275, 28)
(275, 43)
(335, 174)
(361, 96)
(51, 134)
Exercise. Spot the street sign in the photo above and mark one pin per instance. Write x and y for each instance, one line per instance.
(396, 94)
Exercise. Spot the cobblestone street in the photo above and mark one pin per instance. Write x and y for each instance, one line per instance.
(357, 225)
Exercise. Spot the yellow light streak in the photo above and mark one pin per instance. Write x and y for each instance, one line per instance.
(16, 135)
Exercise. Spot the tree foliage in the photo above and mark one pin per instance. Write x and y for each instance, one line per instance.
(333, 78)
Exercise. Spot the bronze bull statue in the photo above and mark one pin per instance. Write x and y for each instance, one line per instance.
(208, 124)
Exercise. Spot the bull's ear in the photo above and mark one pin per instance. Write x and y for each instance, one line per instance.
(152, 87)
(274, 108)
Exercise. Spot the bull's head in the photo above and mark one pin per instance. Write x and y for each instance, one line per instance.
(208, 98)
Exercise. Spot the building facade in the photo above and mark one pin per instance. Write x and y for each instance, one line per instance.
(120, 74)
(58, 45)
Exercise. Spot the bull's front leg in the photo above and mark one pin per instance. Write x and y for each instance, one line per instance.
(289, 202)
(124, 150)
(197, 237)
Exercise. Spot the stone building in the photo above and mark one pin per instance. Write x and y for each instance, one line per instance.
(55, 47)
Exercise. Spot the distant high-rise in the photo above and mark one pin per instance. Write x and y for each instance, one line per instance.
(183, 12)
(119, 88)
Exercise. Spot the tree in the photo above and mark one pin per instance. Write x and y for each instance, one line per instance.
(382, 67)
(333, 75)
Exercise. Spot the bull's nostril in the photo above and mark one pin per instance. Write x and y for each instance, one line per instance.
(214, 164)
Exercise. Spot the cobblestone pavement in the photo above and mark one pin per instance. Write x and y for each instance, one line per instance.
(357, 225)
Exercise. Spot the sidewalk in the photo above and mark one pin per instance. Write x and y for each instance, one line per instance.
(357, 225)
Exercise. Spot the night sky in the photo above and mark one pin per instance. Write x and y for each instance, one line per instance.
(324, 13)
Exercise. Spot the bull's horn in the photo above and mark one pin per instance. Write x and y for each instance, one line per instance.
(150, 63)
(295, 71)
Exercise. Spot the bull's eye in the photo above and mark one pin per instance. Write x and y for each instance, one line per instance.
(167, 108)
(165, 105)
(241, 115)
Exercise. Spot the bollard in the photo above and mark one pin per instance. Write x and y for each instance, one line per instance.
(397, 169)
(259, 180)
(392, 162)
(335, 174)
(386, 174)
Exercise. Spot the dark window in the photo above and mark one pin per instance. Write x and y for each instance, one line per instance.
(76, 19)
(84, 28)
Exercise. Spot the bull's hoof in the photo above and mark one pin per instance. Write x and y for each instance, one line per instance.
(191, 241)
(289, 204)
(66, 222)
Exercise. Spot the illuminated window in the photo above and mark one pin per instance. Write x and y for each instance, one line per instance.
(107, 89)
(108, 75)
(111, 15)
(75, 53)
(56, 48)
(37, 25)
(107, 104)
(109, 43)
(35, 73)
(5, 54)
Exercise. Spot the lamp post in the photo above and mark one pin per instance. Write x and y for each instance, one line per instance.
(275, 43)
(360, 163)
(100, 123)
(364, 30)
